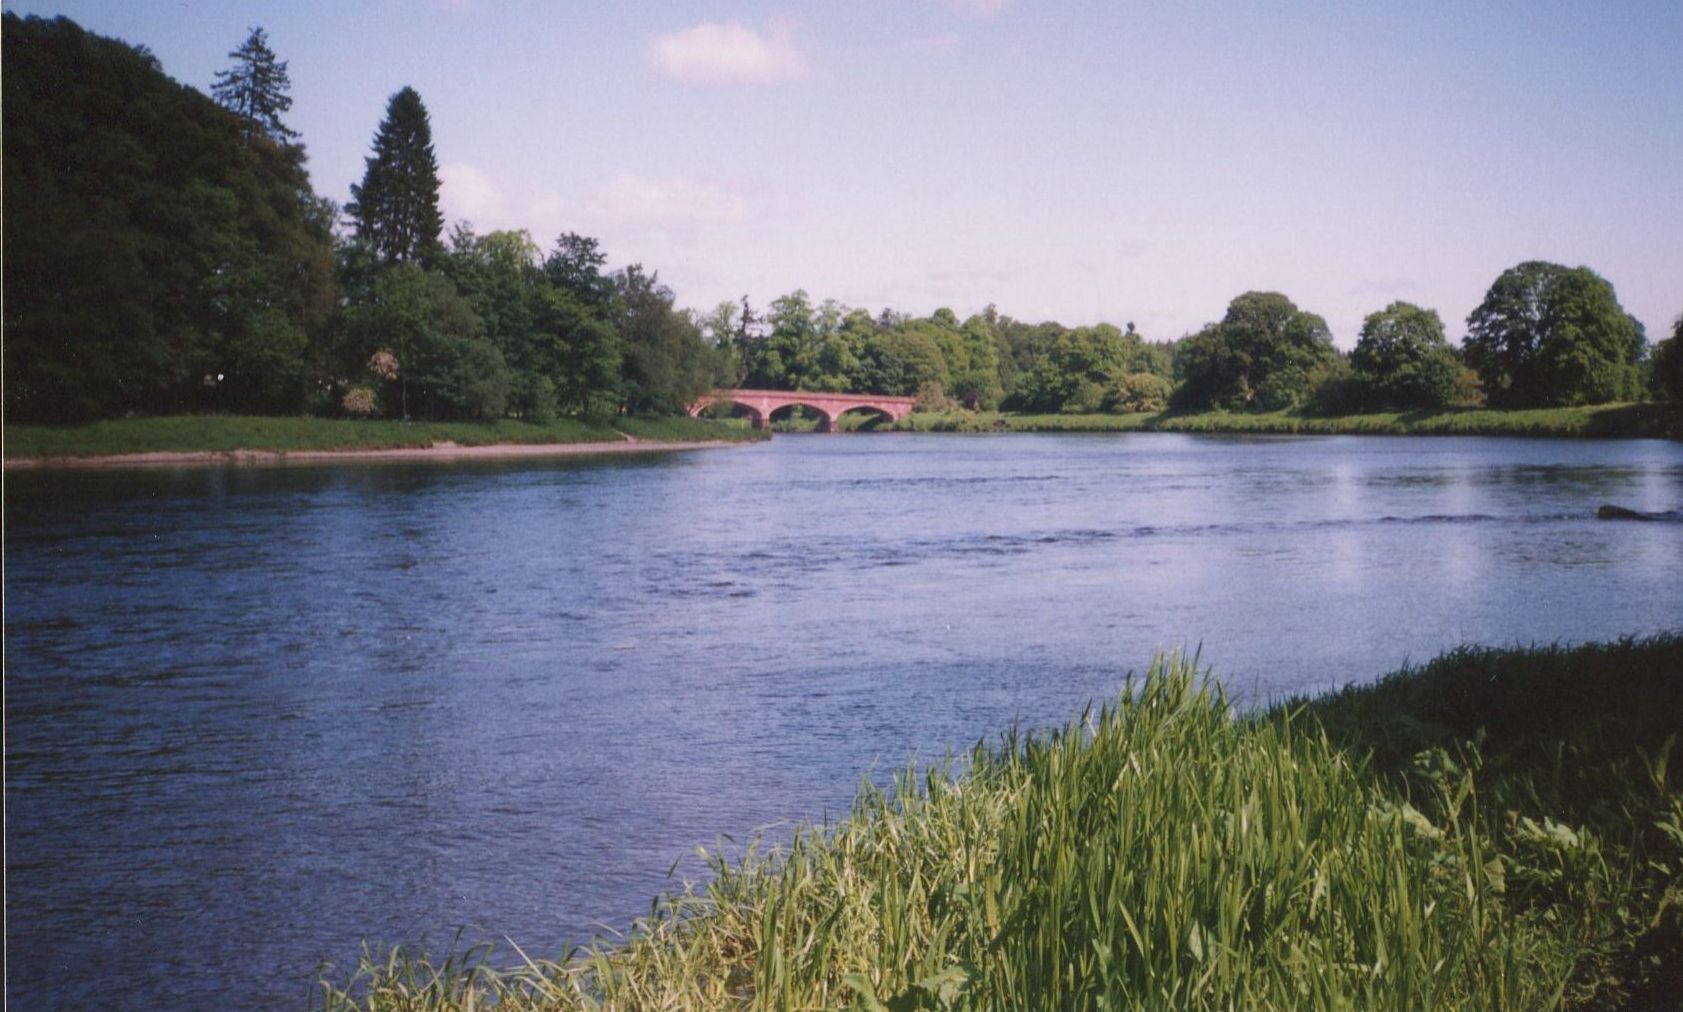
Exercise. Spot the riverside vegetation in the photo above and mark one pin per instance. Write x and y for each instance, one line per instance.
(1497, 829)
(223, 434)
(168, 254)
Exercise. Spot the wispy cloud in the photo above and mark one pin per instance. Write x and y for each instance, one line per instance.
(979, 9)
(727, 54)
(468, 193)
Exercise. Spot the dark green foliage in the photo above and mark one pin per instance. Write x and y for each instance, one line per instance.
(1668, 364)
(396, 205)
(1334, 389)
(255, 88)
(805, 347)
(1403, 361)
(900, 363)
(445, 366)
(1552, 335)
(1567, 751)
(156, 258)
(575, 265)
(1086, 370)
(1262, 356)
(666, 364)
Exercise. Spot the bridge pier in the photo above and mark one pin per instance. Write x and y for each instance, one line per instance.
(828, 406)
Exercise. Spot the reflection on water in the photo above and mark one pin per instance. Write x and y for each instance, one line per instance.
(257, 715)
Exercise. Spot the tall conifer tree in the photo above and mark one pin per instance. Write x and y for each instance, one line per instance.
(396, 206)
(255, 87)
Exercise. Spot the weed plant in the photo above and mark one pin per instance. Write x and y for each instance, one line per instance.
(1498, 830)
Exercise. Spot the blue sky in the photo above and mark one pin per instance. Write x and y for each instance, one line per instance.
(1082, 162)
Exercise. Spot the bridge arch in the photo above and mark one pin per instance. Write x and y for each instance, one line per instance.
(876, 415)
(826, 417)
(829, 406)
(757, 418)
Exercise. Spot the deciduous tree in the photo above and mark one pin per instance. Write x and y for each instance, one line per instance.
(1547, 334)
(1402, 360)
(1263, 355)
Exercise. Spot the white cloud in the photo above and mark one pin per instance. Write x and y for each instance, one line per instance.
(727, 54)
(466, 192)
(980, 9)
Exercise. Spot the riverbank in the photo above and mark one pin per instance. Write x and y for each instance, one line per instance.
(1496, 829)
(1608, 421)
(219, 439)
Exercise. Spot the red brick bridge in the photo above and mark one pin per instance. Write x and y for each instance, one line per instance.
(761, 403)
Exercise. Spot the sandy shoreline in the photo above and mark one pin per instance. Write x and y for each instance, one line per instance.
(435, 452)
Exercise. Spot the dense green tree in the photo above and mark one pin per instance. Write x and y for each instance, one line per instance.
(977, 383)
(444, 366)
(1088, 369)
(1547, 334)
(575, 264)
(499, 276)
(1668, 364)
(900, 362)
(666, 364)
(256, 88)
(154, 259)
(1263, 355)
(1138, 391)
(395, 207)
(1402, 360)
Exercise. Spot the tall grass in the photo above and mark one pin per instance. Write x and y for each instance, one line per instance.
(1163, 851)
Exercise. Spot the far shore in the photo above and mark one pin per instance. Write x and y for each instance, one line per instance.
(443, 451)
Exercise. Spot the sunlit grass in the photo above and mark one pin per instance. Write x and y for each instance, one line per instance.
(1163, 851)
(228, 433)
(688, 430)
(1602, 421)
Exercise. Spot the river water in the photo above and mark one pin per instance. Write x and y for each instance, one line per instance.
(257, 716)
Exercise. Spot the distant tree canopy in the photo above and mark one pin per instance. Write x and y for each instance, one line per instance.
(1668, 364)
(1096, 369)
(1402, 361)
(154, 259)
(1552, 335)
(1265, 354)
(395, 207)
(165, 252)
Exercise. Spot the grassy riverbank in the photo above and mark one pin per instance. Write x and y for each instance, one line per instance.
(1608, 421)
(228, 433)
(1498, 829)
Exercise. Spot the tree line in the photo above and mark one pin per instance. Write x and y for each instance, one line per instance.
(166, 252)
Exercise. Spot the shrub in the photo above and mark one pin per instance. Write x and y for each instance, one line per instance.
(1139, 391)
(360, 402)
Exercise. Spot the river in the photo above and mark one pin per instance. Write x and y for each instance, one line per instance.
(257, 716)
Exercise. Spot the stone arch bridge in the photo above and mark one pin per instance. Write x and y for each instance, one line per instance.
(761, 403)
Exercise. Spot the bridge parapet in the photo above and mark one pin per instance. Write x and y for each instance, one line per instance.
(830, 406)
